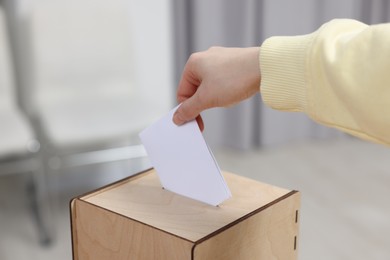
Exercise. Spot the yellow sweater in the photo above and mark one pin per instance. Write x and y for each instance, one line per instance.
(338, 75)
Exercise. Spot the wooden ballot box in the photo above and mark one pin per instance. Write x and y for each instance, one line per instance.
(136, 218)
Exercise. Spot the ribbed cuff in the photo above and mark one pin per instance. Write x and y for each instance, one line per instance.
(283, 72)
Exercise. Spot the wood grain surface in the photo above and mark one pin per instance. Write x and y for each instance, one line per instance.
(144, 200)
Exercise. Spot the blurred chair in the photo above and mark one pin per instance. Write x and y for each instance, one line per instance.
(74, 75)
(18, 144)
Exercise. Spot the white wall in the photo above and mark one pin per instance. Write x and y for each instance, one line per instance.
(152, 29)
(105, 46)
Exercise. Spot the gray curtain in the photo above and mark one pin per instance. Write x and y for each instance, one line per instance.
(200, 24)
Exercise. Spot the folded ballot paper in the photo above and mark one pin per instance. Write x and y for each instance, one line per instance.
(183, 161)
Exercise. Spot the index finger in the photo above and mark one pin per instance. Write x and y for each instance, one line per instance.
(189, 82)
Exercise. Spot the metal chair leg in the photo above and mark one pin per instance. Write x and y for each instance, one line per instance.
(40, 207)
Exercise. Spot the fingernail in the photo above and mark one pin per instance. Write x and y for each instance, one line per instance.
(177, 119)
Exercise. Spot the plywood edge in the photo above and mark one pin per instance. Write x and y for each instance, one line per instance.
(72, 212)
(215, 233)
(113, 185)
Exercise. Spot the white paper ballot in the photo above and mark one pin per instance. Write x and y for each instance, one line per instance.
(183, 161)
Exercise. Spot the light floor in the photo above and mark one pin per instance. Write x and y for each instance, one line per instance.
(345, 187)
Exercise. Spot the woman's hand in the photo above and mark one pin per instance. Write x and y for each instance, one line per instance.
(218, 77)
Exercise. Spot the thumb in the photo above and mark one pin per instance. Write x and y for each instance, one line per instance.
(188, 110)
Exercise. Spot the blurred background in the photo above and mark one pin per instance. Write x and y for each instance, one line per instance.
(79, 79)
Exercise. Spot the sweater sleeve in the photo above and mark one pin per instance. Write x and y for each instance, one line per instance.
(338, 75)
